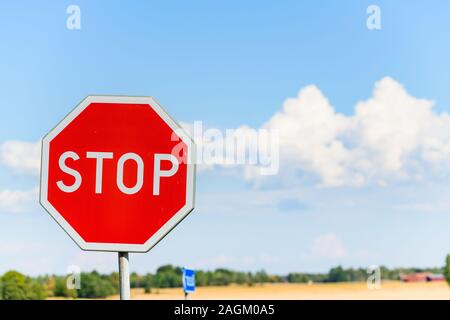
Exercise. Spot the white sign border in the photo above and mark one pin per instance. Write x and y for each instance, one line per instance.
(169, 225)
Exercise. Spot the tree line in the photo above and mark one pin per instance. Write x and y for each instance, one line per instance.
(16, 286)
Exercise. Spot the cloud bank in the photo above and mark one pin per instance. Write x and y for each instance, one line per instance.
(22, 157)
(391, 137)
(17, 201)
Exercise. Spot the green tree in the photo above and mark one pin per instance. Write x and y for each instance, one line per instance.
(298, 278)
(148, 282)
(202, 278)
(114, 279)
(260, 276)
(221, 277)
(136, 280)
(16, 286)
(61, 290)
(168, 276)
(447, 269)
(94, 285)
(242, 278)
(338, 274)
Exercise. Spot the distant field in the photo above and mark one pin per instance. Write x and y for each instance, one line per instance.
(389, 290)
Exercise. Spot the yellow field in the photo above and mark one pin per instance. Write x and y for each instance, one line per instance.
(389, 290)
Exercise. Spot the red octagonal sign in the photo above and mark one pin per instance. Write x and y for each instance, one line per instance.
(118, 173)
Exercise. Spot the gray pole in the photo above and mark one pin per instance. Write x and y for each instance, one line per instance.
(124, 276)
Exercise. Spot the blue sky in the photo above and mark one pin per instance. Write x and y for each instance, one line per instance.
(228, 64)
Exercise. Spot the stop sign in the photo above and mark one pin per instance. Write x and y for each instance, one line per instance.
(118, 173)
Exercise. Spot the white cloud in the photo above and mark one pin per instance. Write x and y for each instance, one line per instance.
(327, 246)
(391, 137)
(16, 201)
(22, 157)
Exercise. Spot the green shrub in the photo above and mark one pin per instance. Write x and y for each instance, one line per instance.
(61, 290)
(94, 285)
(16, 286)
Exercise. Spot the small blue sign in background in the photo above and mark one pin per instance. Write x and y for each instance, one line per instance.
(188, 280)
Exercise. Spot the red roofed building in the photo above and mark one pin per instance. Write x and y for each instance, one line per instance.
(422, 277)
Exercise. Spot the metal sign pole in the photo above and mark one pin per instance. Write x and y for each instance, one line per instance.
(124, 276)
